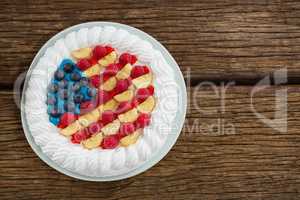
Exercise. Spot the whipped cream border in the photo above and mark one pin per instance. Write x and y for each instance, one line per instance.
(100, 162)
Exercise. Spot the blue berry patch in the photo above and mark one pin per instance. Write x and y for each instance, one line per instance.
(67, 90)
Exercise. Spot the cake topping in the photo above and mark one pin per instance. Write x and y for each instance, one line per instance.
(93, 142)
(102, 101)
(130, 139)
(124, 96)
(99, 52)
(139, 71)
(109, 84)
(66, 119)
(82, 53)
(110, 142)
(143, 81)
(143, 120)
(83, 64)
(95, 80)
(147, 106)
(59, 75)
(107, 117)
(127, 58)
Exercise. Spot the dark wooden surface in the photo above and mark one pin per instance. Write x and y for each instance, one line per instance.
(217, 41)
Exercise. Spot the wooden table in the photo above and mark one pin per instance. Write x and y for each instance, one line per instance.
(226, 150)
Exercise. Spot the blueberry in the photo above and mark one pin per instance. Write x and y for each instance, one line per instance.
(53, 87)
(63, 94)
(60, 106)
(49, 109)
(69, 86)
(51, 100)
(77, 109)
(84, 81)
(75, 76)
(68, 67)
(84, 92)
(63, 84)
(92, 92)
(69, 106)
(54, 120)
(50, 95)
(78, 98)
(76, 87)
(59, 74)
(54, 112)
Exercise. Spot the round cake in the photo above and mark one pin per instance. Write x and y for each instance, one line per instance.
(101, 101)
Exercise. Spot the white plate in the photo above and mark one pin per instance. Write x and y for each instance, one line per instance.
(176, 124)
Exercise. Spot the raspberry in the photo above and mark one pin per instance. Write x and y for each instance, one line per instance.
(104, 77)
(95, 80)
(127, 58)
(107, 117)
(129, 81)
(120, 135)
(99, 52)
(87, 106)
(79, 136)
(127, 128)
(142, 94)
(122, 85)
(123, 107)
(133, 59)
(134, 102)
(83, 64)
(94, 128)
(110, 142)
(66, 119)
(103, 97)
(93, 61)
(111, 70)
(119, 65)
(143, 120)
(109, 49)
(112, 93)
(139, 71)
(101, 124)
(151, 89)
(74, 141)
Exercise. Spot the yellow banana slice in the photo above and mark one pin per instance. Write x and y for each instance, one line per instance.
(88, 118)
(108, 59)
(124, 72)
(111, 128)
(147, 106)
(93, 142)
(93, 70)
(71, 129)
(143, 81)
(130, 139)
(82, 53)
(110, 105)
(110, 84)
(124, 96)
(129, 116)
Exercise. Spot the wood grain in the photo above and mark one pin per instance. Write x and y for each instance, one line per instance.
(225, 150)
(214, 40)
(252, 162)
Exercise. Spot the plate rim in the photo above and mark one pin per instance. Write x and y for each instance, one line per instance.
(171, 139)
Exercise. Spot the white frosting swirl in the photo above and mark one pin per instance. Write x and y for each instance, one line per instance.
(99, 162)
